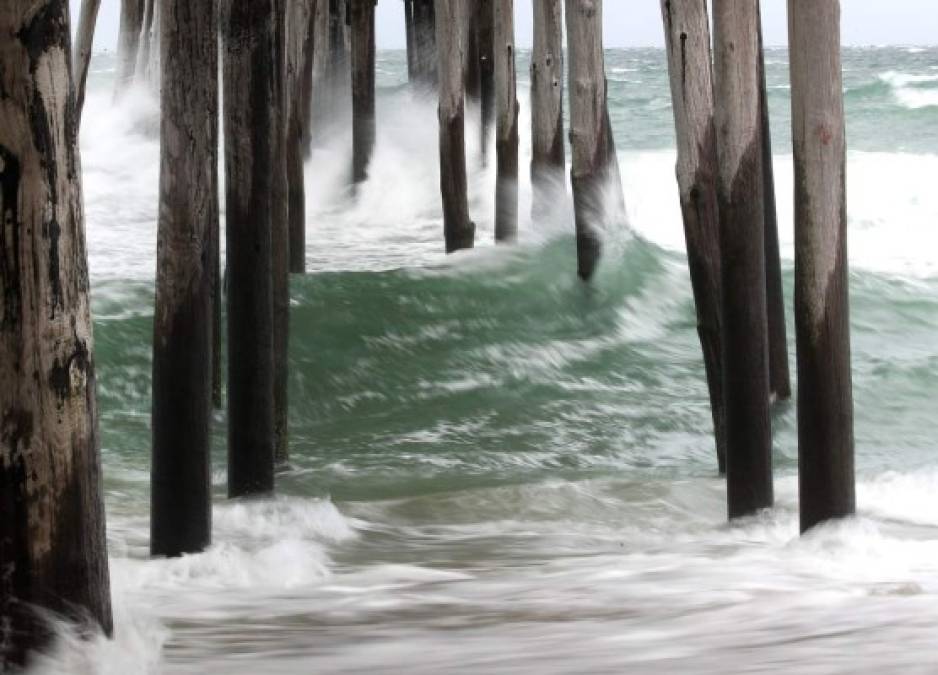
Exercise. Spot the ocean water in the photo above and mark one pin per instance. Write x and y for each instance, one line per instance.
(498, 470)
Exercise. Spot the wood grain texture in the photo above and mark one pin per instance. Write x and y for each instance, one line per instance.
(687, 39)
(506, 123)
(183, 326)
(458, 228)
(548, 155)
(742, 239)
(53, 552)
(822, 310)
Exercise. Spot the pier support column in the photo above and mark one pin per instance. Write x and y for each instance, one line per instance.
(742, 236)
(363, 87)
(506, 128)
(687, 37)
(822, 315)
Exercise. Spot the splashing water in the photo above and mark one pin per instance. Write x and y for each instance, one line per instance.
(497, 469)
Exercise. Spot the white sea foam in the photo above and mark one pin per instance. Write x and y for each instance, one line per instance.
(908, 91)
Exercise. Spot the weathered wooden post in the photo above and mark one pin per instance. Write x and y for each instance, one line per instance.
(506, 127)
(53, 551)
(306, 115)
(687, 36)
(183, 326)
(298, 91)
(409, 34)
(471, 60)
(148, 51)
(425, 43)
(250, 139)
(486, 73)
(597, 194)
(548, 160)
(458, 229)
(822, 316)
(739, 193)
(128, 41)
(779, 377)
(280, 236)
(363, 87)
(84, 43)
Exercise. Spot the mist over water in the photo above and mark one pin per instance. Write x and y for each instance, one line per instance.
(496, 469)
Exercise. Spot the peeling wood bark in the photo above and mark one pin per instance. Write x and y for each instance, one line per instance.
(248, 28)
(53, 551)
(822, 308)
(548, 157)
(687, 38)
(363, 87)
(87, 21)
(458, 229)
(779, 377)
(506, 124)
(739, 192)
(597, 192)
(181, 494)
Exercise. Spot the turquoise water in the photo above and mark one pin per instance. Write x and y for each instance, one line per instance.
(496, 469)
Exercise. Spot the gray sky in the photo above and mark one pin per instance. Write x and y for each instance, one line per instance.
(637, 23)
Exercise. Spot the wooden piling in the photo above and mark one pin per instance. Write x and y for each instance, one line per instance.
(128, 41)
(687, 38)
(458, 229)
(84, 43)
(739, 195)
(409, 35)
(597, 194)
(250, 139)
(363, 86)
(280, 237)
(181, 497)
(472, 73)
(506, 127)
(53, 550)
(548, 160)
(306, 116)
(822, 316)
(779, 377)
(425, 44)
(298, 90)
(486, 73)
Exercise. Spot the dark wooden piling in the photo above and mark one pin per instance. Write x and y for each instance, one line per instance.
(486, 74)
(250, 141)
(779, 377)
(84, 42)
(299, 76)
(472, 74)
(53, 550)
(128, 41)
(306, 116)
(687, 37)
(363, 86)
(822, 314)
(425, 44)
(409, 34)
(458, 229)
(280, 237)
(506, 124)
(597, 193)
(548, 160)
(739, 194)
(181, 497)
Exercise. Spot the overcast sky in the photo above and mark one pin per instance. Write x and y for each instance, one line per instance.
(637, 23)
